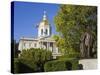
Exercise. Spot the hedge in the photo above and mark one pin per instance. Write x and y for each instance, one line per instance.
(71, 55)
(27, 66)
(16, 65)
(61, 65)
(24, 66)
(32, 60)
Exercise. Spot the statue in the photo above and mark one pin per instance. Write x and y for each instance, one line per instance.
(86, 44)
(82, 51)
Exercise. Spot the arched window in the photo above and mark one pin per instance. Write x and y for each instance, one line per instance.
(41, 31)
(46, 31)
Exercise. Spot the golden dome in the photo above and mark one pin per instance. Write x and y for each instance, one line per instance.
(44, 21)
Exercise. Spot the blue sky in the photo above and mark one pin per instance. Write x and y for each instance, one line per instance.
(28, 14)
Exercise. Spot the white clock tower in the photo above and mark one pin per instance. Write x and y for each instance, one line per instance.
(44, 28)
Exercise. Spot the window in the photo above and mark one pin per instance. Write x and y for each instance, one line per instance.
(24, 45)
(41, 31)
(46, 31)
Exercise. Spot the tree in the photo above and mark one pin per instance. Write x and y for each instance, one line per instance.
(36, 56)
(71, 21)
(60, 42)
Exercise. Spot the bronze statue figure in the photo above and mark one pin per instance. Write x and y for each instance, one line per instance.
(86, 44)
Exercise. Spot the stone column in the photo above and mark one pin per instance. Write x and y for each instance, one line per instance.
(41, 44)
(55, 48)
(47, 45)
(52, 47)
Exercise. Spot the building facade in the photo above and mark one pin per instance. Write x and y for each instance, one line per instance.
(44, 39)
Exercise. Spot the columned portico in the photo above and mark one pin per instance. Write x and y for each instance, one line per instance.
(48, 45)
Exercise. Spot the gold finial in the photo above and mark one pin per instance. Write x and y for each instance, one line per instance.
(44, 16)
(44, 12)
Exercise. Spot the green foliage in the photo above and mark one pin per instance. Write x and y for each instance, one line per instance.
(29, 65)
(54, 66)
(36, 55)
(71, 21)
(66, 52)
(23, 66)
(71, 55)
(16, 65)
(61, 65)
(31, 60)
(60, 42)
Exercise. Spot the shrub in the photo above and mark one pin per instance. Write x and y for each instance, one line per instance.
(24, 66)
(54, 66)
(61, 65)
(36, 55)
(16, 65)
(80, 66)
(27, 66)
(31, 60)
(71, 55)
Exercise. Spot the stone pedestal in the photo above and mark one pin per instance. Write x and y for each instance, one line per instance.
(88, 64)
